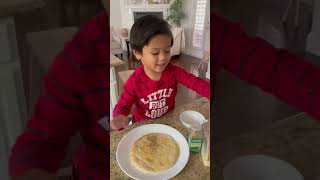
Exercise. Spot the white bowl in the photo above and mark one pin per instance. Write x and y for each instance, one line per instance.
(189, 117)
(260, 167)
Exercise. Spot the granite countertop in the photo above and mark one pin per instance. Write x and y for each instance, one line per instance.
(115, 61)
(12, 7)
(194, 168)
(295, 140)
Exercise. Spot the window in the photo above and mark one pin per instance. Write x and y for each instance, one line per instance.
(199, 23)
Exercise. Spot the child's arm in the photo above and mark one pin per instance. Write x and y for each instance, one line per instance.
(59, 111)
(285, 75)
(189, 80)
(123, 107)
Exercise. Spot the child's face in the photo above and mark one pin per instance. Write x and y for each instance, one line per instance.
(155, 56)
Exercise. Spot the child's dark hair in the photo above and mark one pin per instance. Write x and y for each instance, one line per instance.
(146, 28)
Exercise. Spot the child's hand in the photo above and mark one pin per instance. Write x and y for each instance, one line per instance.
(118, 123)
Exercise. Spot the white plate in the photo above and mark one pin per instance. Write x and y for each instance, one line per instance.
(127, 140)
(260, 167)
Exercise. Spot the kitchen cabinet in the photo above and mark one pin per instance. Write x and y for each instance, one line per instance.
(12, 103)
(12, 111)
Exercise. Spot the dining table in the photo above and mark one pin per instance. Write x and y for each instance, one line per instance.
(294, 139)
(194, 169)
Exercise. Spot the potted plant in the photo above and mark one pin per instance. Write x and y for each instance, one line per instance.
(175, 13)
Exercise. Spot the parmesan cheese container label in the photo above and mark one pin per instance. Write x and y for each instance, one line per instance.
(195, 138)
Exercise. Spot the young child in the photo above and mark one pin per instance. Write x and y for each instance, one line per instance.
(153, 86)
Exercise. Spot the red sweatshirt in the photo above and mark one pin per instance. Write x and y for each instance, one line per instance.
(153, 99)
(286, 76)
(75, 98)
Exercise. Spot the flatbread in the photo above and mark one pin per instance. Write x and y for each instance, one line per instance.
(154, 152)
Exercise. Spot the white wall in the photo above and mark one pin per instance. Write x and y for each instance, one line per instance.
(127, 12)
(115, 13)
(187, 24)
